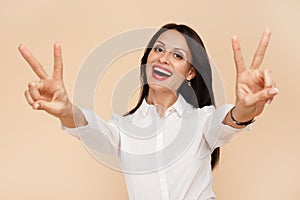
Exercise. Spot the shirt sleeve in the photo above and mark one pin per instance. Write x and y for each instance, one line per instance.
(216, 133)
(98, 135)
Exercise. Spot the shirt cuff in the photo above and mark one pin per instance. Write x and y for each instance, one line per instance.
(220, 133)
(75, 131)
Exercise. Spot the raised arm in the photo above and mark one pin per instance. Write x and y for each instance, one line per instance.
(49, 93)
(254, 87)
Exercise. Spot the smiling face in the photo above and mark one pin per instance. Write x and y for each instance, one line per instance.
(168, 63)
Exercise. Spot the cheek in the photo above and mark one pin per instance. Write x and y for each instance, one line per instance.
(182, 69)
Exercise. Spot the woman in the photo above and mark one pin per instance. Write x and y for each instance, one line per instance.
(177, 93)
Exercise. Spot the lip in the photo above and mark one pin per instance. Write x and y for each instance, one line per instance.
(159, 78)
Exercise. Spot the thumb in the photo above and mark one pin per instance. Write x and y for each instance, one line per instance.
(40, 105)
(262, 95)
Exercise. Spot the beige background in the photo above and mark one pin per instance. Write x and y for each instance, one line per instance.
(39, 161)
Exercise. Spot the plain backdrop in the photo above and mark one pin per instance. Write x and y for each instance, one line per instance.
(40, 161)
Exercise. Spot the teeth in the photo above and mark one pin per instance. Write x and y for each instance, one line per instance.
(164, 72)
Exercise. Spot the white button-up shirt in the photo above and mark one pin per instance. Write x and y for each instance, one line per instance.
(162, 158)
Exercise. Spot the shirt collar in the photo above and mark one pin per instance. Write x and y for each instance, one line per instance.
(178, 106)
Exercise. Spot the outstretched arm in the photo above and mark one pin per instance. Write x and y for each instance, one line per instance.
(49, 93)
(254, 87)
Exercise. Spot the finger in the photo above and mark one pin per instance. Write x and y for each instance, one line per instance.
(268, 82)
(269, 101)
(28, 97)
(58, 63)
(263, 95)
(237, 54)
(34, 90)
(34, 104)
(34, 63)
(261, 50)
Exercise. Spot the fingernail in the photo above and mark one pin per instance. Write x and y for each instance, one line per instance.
(36, 106)
(273, 91)
(57, 44)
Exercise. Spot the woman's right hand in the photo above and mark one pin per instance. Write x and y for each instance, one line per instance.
(49, 93)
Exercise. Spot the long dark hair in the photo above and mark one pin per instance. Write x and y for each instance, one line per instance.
(201, 83)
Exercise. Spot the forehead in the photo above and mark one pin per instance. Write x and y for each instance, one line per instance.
(173, 39)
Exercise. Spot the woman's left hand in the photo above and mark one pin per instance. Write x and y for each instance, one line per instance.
(254, 87)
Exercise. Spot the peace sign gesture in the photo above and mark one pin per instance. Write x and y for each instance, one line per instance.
(254, 87)
(49, 92)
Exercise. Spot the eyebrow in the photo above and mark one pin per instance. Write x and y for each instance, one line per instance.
(174, 48)
(160, 42)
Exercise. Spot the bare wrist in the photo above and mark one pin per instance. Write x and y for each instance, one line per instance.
(73, 117)
(67, 112)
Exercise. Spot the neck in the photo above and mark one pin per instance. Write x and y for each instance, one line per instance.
(162, 99)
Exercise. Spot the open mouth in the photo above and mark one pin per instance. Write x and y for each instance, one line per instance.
(159, 73)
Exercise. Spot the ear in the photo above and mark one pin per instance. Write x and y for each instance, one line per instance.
(191, 73)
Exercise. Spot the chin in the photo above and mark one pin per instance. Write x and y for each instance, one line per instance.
(160, 88)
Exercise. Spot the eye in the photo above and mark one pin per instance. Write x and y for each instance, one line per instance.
(178, 56)
(158, 49)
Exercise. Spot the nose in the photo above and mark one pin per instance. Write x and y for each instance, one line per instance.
(165, 57)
